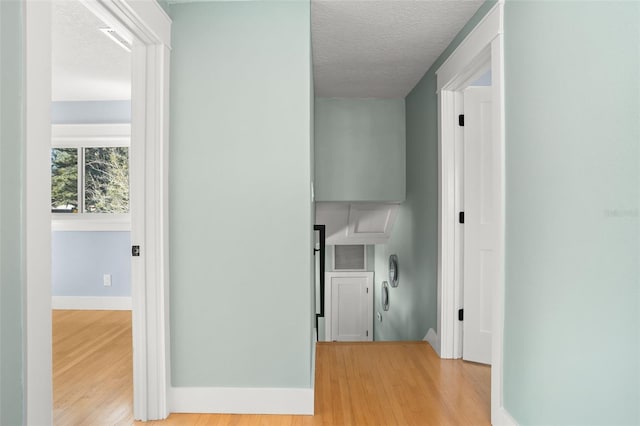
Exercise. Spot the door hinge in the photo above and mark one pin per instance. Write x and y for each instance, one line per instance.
(461, 217)
(135, 250)
(461, 120)
(460, 314)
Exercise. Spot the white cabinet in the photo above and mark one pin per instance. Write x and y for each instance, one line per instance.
(357, 223)
(349, 314)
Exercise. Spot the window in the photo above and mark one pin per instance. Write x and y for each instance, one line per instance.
(90, 174)
(90, 180)
(64, 180)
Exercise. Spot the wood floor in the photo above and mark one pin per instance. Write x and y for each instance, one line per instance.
(92, 368)
(394, 383)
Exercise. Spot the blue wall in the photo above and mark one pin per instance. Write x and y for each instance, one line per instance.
(79, 260)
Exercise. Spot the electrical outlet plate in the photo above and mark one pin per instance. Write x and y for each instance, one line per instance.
(106, 280)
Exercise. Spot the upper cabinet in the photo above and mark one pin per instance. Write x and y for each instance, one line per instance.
(357, 223)
(360, 151)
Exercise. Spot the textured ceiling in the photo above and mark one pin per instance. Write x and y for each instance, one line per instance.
(361, 49)
(380, 49)
(86, 64)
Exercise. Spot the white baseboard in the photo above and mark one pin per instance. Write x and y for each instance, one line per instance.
(433, 340)
(242, 400)
(506, 419)
(91, 303)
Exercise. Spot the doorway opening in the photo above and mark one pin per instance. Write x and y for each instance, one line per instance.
(476, 204)
(148, 28)
(484, 45)
(91, 222)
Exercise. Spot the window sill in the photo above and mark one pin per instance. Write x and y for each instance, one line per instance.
(90, 222)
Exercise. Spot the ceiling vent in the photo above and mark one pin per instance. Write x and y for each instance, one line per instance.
(350, 257)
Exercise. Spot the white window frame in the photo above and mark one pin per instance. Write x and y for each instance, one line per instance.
(90, 136)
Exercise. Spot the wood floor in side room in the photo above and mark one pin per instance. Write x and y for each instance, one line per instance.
(379, 383)
(92, 368)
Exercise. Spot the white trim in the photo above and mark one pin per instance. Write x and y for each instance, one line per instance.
(90, 222)
(505, 419)
(446, 226)
(149, 225)
(458, 65)
(432, 338)
(145, 19)
(296, 401)
(327, 306)
(37, 214)
(90, 135)
(91, 303)
(498, 302)
(150, 29)
(484, 43)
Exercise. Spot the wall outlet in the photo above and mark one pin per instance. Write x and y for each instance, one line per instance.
(106, 280)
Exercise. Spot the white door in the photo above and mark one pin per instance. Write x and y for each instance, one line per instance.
(349, 310)
(480, 221)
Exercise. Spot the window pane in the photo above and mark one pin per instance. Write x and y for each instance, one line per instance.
(64, 180)
(106, 180)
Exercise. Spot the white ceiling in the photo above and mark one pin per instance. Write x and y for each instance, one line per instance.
(86, 64)
(361, 49)
(380, 49)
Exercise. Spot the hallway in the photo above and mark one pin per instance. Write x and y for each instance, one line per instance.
(379, 383)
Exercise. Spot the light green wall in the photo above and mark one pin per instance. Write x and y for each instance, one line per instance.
(413, 304)
(241, 195)
(359, 149)
(571, 343)
(164, 4)
(11, 169)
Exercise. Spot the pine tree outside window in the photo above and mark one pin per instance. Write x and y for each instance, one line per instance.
(103, 186)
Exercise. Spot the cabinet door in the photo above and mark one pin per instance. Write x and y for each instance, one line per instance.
(350, 299)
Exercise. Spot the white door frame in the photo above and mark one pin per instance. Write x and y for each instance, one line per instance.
(483, 45)
(151, 29)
